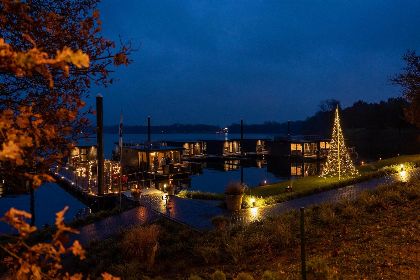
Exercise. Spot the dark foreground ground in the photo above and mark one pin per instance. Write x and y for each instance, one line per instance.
(376, 236)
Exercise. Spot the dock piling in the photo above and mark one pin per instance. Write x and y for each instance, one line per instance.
(100, 142)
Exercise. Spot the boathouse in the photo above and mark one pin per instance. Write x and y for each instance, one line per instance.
(253, 146)
(151, 158)
(223, 147)
(300, 146)
(82, 154)
(190, 148)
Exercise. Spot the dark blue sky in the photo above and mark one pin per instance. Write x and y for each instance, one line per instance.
(219, 61)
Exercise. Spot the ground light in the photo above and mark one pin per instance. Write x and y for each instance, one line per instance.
(252, 201)
(403, 174)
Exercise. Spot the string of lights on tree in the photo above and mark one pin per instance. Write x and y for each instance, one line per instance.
(339, 163)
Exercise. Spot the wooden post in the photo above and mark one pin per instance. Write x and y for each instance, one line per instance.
(149, 132)
(318, 157)
(149, 143)
(242, 137)
(302, 242)
(100, 142)
(32, 203)
(242, 174)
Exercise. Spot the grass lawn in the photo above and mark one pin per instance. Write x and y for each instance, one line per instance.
(307, 185)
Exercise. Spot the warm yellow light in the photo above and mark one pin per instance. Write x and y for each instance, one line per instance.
(403, 176)
(339, 163)
(253, 214)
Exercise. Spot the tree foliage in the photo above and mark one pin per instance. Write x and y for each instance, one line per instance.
(40, 260)
(409, 80)
(46, 47)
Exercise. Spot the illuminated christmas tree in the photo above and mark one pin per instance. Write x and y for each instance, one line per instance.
(339, 163)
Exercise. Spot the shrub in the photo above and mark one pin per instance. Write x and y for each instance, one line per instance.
(194, 277)
(218, 275)
(391, 196)
(141, 243)
(220, 222)
(317, 269)
(370, 201)
(282, 230)
(349, 209)
(269, 275)
(209, 252)
(326, 214)
(244, 276)
(234, 188)
(235, 246)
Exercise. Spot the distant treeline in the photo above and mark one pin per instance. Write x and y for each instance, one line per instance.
(174, 128)
(374, 129)
(385, 114)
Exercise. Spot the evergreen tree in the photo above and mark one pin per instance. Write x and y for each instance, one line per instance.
(338, 162)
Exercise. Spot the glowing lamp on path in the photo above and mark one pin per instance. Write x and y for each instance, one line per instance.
(252, 201)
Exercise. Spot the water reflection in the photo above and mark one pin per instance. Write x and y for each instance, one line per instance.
(285, 167)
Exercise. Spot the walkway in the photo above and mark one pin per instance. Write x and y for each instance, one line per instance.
(198, 213)
(110, 226)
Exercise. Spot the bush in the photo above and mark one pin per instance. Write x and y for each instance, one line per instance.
(368, 201)
(194, 277)
(235, 246)
(269, 275)
(218, 275)
(141, 243)
(349, 210)
(282, 230)
(244, 276)
(209, 252)
(317, 269)
(220, 222)
(326, 214)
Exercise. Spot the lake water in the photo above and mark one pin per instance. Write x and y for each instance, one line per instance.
(49, 199)
(214, 177)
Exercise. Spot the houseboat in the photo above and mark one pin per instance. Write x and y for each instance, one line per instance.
(315, 147)
(157, 158)
(190, 148)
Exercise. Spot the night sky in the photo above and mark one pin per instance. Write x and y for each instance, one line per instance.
(216, 62)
